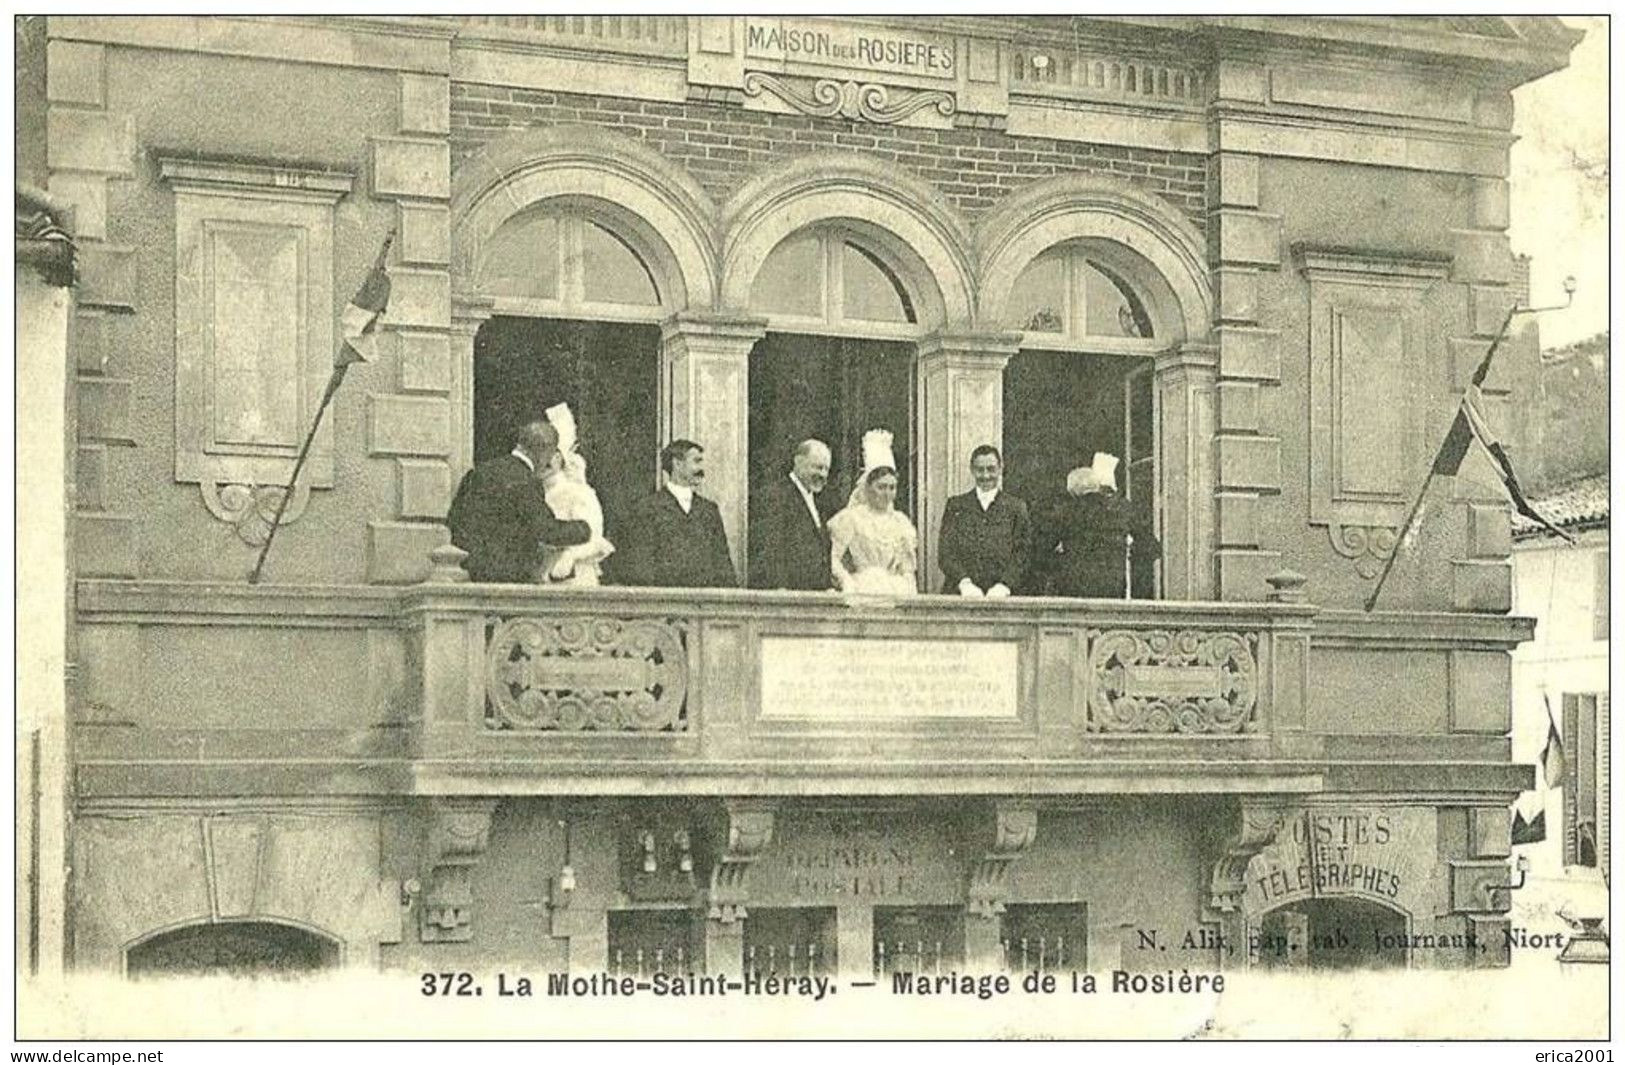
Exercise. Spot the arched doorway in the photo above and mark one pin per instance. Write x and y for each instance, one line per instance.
(1339, 932)
(1108, 286)
(838, 358)
(233, 948)
(1082, 383)
(576, 301)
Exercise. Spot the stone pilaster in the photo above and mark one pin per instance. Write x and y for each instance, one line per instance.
(89, 145)
(705, 386)
(1244, 244)
(959, 404)
(1186, 382)
(417, 425)
(1481, 568)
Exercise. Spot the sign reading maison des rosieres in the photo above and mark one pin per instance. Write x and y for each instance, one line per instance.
(870, 678)
(865, 49)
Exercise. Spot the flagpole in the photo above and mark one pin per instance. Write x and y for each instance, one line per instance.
(341, 366)
(1433, 470)
(1399, 544)
(333, 382)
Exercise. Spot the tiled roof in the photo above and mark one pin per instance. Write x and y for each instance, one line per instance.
(1581, 504)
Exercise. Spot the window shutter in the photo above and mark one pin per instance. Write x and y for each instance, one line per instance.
(1602, 781)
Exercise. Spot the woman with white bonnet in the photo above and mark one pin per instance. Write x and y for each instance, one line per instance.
(571, 498)
(872, 546)
(1085, 548)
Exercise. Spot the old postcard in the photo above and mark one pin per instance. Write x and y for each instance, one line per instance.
(834, 525)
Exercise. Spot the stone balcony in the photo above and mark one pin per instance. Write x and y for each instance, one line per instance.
(452, 688)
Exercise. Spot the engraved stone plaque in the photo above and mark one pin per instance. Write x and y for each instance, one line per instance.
(840, 678)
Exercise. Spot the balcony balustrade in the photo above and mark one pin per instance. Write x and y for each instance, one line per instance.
(450, 687)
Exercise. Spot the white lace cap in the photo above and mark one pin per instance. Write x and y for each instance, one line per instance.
(563, 420)
(877, 450)
(1105, 469)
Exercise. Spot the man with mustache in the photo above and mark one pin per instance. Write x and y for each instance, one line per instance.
(789, 531)
(675, 538)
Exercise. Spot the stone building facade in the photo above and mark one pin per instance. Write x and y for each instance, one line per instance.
(1257, 258)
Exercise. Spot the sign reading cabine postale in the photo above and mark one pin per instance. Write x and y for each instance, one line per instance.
(817, 43)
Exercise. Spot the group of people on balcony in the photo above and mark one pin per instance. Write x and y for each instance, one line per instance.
(531, 516)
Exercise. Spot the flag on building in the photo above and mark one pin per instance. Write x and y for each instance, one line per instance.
(358, 324)
(1552, 762)
(1470, 425)
(1532, 830)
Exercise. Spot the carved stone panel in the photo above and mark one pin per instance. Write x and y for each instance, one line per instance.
(1369, 329)
(1161, 681)
(829, 98)
(587, 674)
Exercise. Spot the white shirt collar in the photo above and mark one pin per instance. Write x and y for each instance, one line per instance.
(986, 498)
(522, 457)
(683, 494)
(807, 496)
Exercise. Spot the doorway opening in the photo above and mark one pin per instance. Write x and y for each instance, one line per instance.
(1332, 933)
(835, 389)
(1060, 408)
(233, 948)
(608, 372)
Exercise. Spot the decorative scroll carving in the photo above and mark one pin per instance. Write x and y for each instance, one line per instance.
(587, 674)
(1259, 826)
(250, 508)
(459, 830)
(1368, 545)
(1014, 826)
(1165, 681)
(749, 831)
(830, 98)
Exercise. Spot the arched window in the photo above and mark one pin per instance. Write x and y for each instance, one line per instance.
(233, 948)
(563, 263)
(1082, 383)
(1069, 296)
(826, 280)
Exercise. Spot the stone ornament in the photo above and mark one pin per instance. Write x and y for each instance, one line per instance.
(848, 99)
(1368, 546)
(587, 675)
(1014, 828)
(1159, 681)
(251, 508)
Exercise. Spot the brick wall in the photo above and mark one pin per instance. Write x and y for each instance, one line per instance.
(723, 145)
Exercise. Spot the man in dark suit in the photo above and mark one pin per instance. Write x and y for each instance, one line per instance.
(789, 538)
(986, 534)
(500, 514)
(675, 538)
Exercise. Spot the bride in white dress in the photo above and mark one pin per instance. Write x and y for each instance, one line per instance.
(571, 498)
(872, 546)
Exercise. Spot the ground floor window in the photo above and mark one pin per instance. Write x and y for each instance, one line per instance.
(645, 942)
(1581, 780)
(1044, 937)
(1334, 933)
(790, 942)
(237, 948)
(918, 939)
(609, 373)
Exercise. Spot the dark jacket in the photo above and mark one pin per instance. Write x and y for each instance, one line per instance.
(989, 546)
(501, 518)
(665, 547)
(1082, 549)
(789, 549)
